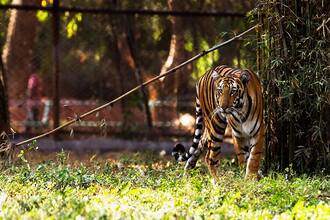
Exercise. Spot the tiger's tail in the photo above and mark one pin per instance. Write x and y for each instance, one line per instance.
(192, 155)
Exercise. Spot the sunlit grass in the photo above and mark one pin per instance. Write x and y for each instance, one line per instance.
(145, 186)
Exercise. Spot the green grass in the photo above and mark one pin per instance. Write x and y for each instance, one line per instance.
(144, 186)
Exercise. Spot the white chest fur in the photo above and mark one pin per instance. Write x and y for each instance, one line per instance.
(245, 129)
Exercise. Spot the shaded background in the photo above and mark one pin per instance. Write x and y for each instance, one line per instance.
(102, 54)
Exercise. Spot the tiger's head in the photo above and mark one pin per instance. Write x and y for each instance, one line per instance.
(229, 90)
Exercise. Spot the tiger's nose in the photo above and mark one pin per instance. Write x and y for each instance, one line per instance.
(224, 110)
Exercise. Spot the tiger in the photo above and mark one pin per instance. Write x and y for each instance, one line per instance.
(227, 97)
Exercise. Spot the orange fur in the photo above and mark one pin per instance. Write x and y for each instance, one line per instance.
(232, 97)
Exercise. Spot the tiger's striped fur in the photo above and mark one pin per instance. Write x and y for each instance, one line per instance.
(227, 97)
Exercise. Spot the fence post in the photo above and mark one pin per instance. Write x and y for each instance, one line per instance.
(56, 75)
(138, 74)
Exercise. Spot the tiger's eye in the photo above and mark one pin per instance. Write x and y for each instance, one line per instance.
(233, 91)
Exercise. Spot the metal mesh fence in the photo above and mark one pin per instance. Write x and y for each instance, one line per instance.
(95, 67)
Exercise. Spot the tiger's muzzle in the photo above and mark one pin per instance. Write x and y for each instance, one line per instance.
(225, 111)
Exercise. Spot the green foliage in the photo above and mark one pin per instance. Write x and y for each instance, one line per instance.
(42, 16)
(72, 23)
(205, 62)
(294, 63)
(70, 20)
(3, 2)
(143, 186)
(157, 29)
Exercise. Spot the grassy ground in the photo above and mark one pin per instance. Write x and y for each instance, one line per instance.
(147, 186)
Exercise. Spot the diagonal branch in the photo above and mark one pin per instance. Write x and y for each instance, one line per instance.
(109, 104)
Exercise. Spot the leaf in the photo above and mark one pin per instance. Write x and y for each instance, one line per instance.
(3, 2)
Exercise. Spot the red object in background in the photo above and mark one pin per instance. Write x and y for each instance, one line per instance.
(34, 87)
(33, 102)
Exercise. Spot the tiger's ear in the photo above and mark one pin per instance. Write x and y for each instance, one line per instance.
(245, 77)
(215, 74)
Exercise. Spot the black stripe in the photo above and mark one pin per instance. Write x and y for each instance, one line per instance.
(254, 126)
(215, 148)
(231, 82)
(214, 138)
(199, 126)
(229, 72)
(255, 109)
(249, 108)
(226, 72)
(252, 131)
(194, 145)
(245, 148)
(237, 71)
(216, 154)
(199, 121)
(199, 113)
(198, 136)
(220, 68)
(256, 132)
(236, 119)
(219, 130)
(213, 162)
(237, 131)
(221, 120)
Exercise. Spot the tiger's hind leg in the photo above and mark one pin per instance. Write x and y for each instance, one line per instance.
(212, 157)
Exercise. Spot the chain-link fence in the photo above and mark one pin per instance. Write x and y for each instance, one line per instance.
(96, 63)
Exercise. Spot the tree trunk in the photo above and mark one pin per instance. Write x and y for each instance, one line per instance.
(138, 74)
(4, 113)
(124, 64)
(120, 71)
(18, 50)
(174, 87)
(5, 156)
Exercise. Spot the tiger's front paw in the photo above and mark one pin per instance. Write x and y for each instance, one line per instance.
(253, 176)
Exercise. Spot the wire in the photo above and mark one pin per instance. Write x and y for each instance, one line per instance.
(109, 104)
